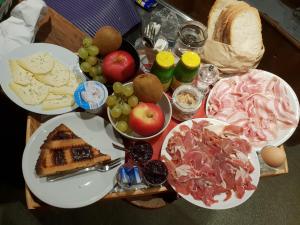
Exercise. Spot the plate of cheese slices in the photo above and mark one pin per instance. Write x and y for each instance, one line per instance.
(41, 78)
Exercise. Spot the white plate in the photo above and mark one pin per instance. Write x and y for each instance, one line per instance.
(80, 190)
(65, 56)
(233, 201)
(283, 135)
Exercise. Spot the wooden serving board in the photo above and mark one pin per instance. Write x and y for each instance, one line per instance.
(34, 121)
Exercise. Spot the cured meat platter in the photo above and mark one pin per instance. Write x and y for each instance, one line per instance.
(262, 103)
(210, 170)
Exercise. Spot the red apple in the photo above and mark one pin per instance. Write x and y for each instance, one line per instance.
(146, 119)
(118, 66)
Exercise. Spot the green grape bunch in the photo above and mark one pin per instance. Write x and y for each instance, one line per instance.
(90, 63)
(120, 104)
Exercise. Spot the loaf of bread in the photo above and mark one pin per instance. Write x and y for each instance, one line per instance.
(237, 24)
(234, 42)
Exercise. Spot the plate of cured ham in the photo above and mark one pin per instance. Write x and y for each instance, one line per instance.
(210, 164)
(262, 103)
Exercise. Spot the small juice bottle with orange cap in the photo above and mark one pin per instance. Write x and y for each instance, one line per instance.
(163, 68)
(186, 69)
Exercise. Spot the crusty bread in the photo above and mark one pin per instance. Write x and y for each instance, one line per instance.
(222, 23)
(237, 24)
(214, 14)
(244, 31)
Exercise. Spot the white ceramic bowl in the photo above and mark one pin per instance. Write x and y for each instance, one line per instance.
(166, 107)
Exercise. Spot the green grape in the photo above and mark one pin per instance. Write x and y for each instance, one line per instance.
(93, 71)
(124, 117)
(117, 87)
(116, 111)
(85, 67)
(87, 41)
(99, 69)
(111, 101)
(133, 101)
(128, 90)
(100, 78)
(83, 53)
(92, 60)
(122, 126)
(93, 50)
(126, 109)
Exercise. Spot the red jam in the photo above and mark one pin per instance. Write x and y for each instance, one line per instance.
(155, 172)
(140, 151)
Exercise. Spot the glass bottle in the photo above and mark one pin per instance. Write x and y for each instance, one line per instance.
(186, 69)
(163, 68)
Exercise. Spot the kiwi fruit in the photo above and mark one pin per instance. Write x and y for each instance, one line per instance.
(107, 39)
(148, 88)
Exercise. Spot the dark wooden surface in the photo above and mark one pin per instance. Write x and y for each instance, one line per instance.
(277, 200)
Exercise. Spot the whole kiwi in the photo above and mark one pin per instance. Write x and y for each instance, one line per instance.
(107, 39)
(148, 88)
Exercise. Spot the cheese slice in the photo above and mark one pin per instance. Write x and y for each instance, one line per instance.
(58, 76)
(68, 89)
(38, 63)
(62, 102)
(74, 81)
(53, 96)
(32, 94)
(20, 76)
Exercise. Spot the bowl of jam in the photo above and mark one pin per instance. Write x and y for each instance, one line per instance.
(155, 173)
(140, 151)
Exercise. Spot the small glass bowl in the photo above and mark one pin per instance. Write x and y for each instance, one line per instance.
(183, 110)
(140, 152)
(155, 173)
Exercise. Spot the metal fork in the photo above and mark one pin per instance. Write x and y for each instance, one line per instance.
(150, 33)
(101, 168)
(119, 147)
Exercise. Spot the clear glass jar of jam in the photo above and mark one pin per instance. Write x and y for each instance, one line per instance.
(140, 152)
(186, 101)
(155, 173)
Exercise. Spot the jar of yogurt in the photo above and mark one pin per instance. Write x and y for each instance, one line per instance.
(186, 101)
(91, 96)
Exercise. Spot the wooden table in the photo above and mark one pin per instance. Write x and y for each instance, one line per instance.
(53, 29)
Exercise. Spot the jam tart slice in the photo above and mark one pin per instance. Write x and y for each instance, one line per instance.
(64, 151)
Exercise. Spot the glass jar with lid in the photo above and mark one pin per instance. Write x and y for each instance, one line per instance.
(191, 37)
(186, 101)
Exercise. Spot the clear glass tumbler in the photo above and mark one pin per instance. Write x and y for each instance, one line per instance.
(191, 37)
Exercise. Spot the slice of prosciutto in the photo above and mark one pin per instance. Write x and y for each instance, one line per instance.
(258, 103)
(207, 160)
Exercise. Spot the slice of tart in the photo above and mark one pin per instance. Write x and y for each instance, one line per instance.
(63, 151)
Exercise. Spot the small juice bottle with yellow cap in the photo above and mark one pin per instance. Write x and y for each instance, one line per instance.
(163, 68)
(186, 69)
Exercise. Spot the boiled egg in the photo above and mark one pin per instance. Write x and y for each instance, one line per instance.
(273, 156)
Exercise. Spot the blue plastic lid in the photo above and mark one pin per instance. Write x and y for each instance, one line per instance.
(90, 95)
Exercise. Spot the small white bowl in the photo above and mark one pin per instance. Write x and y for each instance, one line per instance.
(166, 107)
